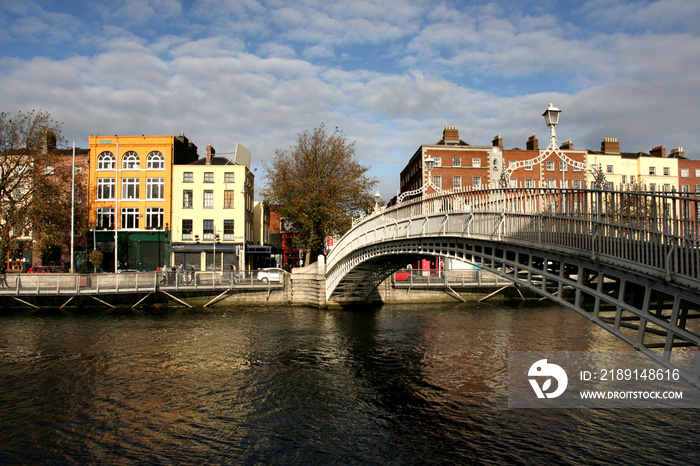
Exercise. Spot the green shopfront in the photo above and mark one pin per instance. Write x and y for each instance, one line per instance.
(136, 250)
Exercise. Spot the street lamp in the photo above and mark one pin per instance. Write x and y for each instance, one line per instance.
(377, 198)
(551, 115)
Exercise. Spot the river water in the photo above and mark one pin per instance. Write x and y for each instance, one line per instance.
(399, 384)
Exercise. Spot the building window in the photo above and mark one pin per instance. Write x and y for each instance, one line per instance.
(685, 173)
(562, 166)
(652, 171)
(187, 229)
(106, 161)
(495, 163)
(208, 230)
(105, 188)
(105, 218)
(667, 188)
(697, 173)
(208, 199)
(130, 188)
(476, 163)
(187, 199)
(551, 183)
(438, 162)
(208, 177)
(155, 188)
(550, 166)
(528, 166)
(228, 230)
(228, 177)
(131, 161)
(609, 169)
(457, 182)
(576, 184)
(667, 171)
(456, 162)
(130, 218)
(155, 161)
(154, 218)
(685, 188)
(652, 187)
(476, 182)
(632, 178)
(187, 177)
(624, 179)
(228, 199)
(437, 181)
(529, 183)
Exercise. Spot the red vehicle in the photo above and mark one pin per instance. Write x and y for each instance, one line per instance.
(41, 269)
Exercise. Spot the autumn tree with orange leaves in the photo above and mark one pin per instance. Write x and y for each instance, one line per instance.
(320, 186)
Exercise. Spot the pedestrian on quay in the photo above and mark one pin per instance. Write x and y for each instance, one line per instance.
(192, 272)
(3, 278)
(180, 275)
(232, 273)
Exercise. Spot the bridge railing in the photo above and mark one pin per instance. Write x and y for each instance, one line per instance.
(652, 231)
(56, 284)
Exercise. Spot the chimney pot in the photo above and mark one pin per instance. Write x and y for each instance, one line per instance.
(450, 135)
(567, 145)
(532, 143)
(210, 153)
(610, 145)
(498, 141)
(658, 151)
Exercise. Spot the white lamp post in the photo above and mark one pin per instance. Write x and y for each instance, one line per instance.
(377, 198)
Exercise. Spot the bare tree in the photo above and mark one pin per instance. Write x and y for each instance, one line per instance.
(319, 185)
(35, 186)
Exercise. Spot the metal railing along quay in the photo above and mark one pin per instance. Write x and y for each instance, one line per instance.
(432, 278)
(60, 284)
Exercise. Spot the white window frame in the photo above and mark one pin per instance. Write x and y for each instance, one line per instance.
(106, 189)
(155, 188)
(129, 218)
(131, 161)
(154, 218)
(155, 161)
(106, 161)
(130, 188)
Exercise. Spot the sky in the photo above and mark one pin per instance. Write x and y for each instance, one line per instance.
(390, 74)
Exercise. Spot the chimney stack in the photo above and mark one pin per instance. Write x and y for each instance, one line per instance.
(532, 143)
(210, 153)
(678, 153)
(567, 145)
(498, 141)
(450, 135)
(610, 146)
(658, 151)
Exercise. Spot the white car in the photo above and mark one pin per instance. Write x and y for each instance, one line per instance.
(270, 275)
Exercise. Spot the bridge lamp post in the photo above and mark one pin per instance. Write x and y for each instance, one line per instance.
(377, 198)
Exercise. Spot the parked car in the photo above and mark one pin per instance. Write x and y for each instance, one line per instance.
(41, 269)
(270, 275)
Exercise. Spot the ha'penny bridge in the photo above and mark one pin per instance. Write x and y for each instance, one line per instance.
(628, 261)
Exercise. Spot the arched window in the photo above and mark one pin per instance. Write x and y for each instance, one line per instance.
(130, 161)
(155, 161)
(106, 161)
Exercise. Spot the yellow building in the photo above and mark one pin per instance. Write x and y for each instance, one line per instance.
(130, 197)
(635, 170)
(213, 213)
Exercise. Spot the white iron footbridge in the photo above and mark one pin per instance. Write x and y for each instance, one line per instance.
(628, 261)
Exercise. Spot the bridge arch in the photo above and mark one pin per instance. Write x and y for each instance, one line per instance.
(620, 259)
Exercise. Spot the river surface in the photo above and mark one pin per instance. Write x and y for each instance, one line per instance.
(397, 384)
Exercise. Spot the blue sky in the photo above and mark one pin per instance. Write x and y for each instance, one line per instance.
(390, 74)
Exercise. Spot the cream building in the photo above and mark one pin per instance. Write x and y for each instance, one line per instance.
(212, 210)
